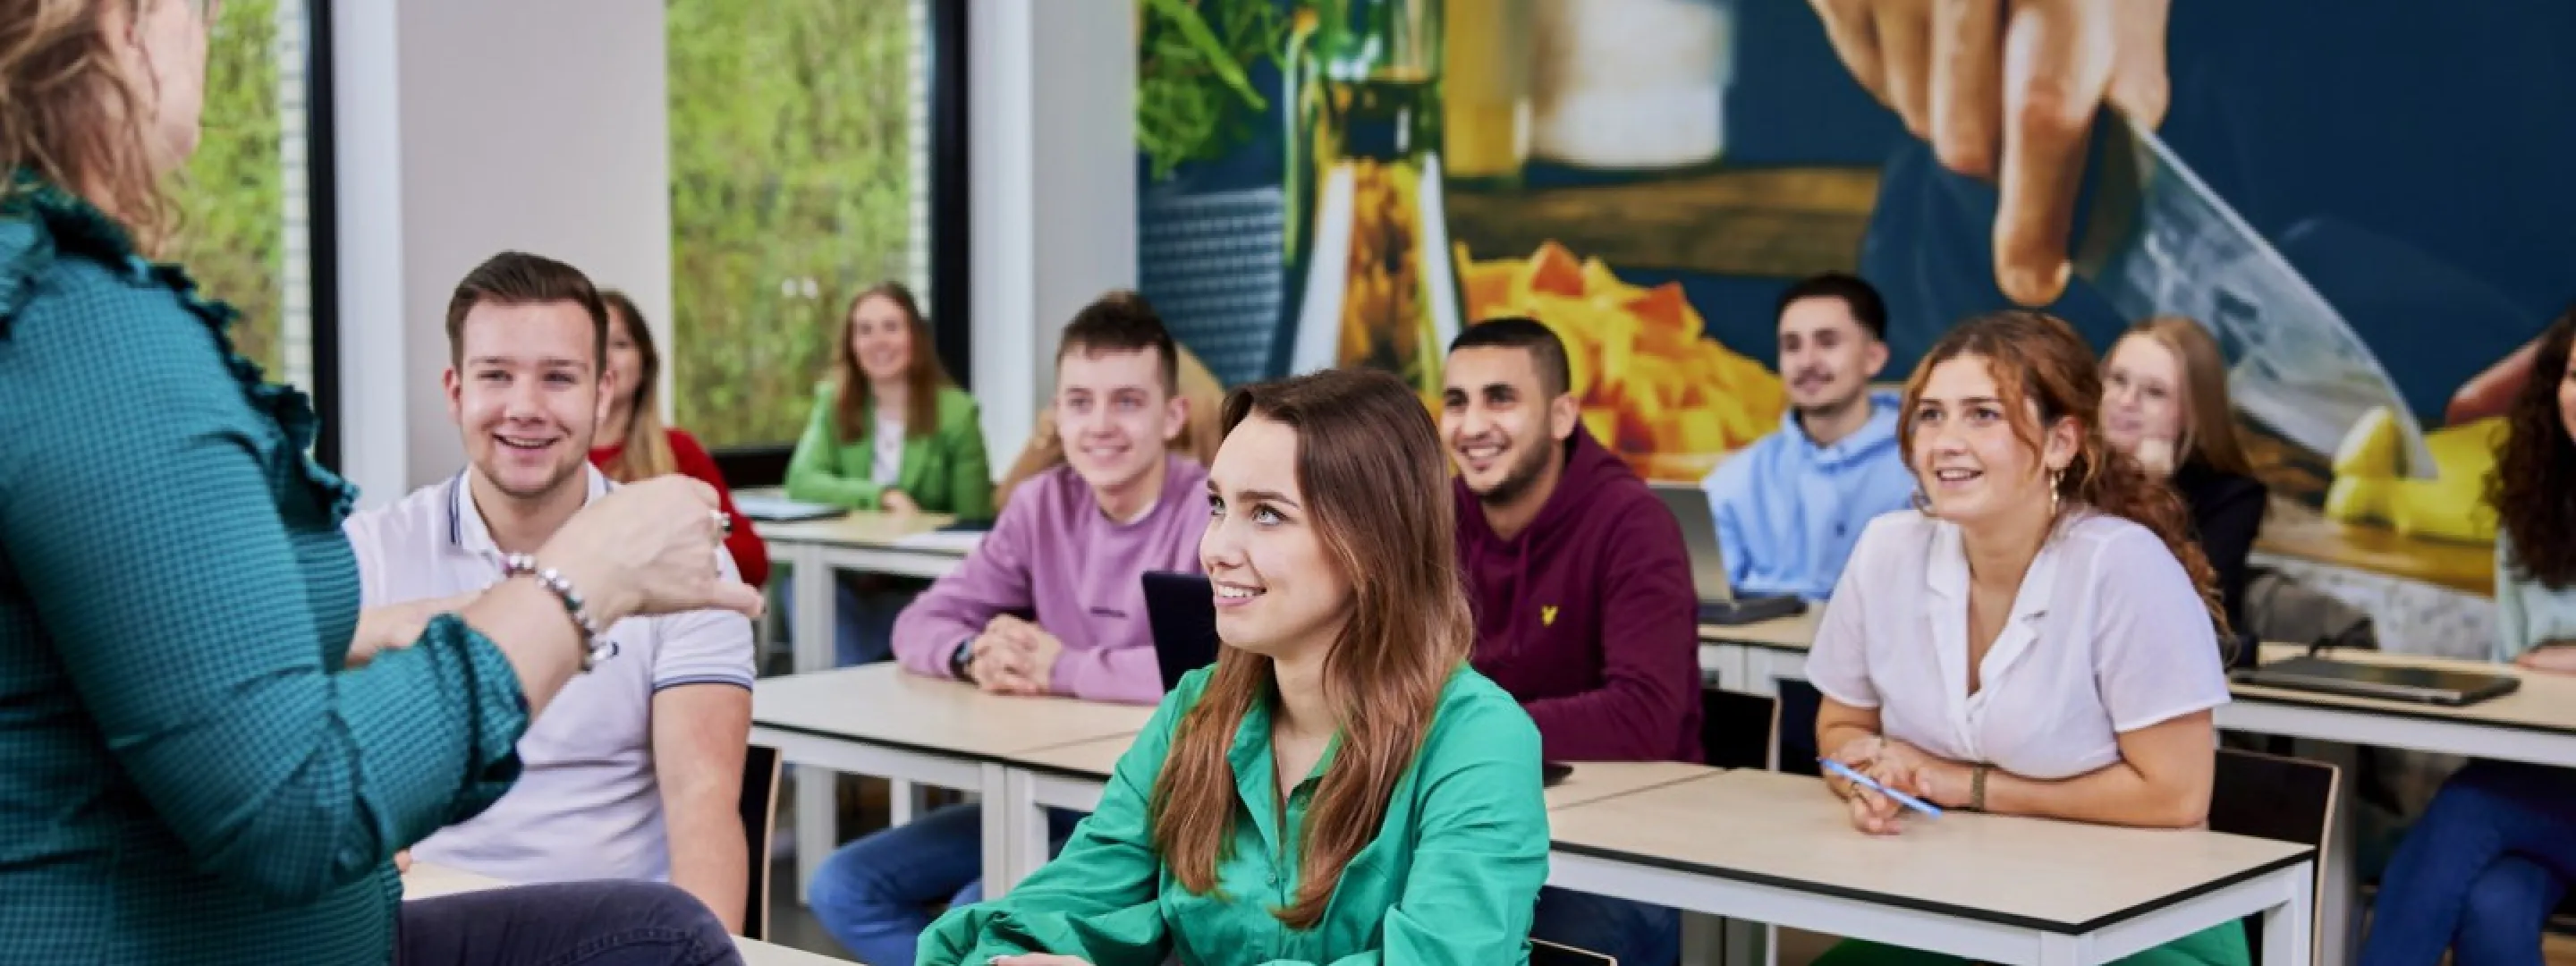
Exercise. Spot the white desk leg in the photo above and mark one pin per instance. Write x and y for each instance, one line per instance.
(2338, 910)
(903, 798)
(1006, 796)
(817, 809)
(2059, 949)
(2287, 927)
(1706, 940)
(817, 824)
(812, 623)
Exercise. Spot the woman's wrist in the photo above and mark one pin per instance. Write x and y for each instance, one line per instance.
(605, 599)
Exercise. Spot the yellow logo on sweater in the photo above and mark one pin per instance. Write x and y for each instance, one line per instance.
(1547, 615)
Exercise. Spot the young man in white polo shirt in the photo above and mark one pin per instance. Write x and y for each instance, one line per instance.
(635, 769)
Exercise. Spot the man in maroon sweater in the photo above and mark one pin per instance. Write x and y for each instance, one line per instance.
(1582, 589)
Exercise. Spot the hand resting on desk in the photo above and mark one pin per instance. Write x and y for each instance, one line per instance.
(1015, 657)
(2555, 656)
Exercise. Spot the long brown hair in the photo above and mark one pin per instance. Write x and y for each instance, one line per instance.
(2534, 486)
(2208, 418)
(2037, 358)
(922, 378)
(71, 116)
(645, 451)
(1376, 483)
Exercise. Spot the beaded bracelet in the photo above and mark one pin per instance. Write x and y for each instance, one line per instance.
(525, 565)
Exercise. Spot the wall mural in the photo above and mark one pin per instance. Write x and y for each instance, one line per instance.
(2372, 219)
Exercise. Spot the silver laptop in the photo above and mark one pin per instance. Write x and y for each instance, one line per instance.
(1718, 601)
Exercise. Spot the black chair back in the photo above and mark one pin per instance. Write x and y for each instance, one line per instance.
(1544, 953)
(2284, 799)
(759, 805)
(1738, 730)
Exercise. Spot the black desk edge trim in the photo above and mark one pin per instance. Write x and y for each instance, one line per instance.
(2087, 927)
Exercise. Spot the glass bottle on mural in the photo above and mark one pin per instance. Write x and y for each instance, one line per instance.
(1370, 275)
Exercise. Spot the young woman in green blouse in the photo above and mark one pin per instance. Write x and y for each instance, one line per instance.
(892, 433)
(1339, 783)
(212, 755)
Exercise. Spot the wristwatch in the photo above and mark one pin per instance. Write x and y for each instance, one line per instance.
(961, 662)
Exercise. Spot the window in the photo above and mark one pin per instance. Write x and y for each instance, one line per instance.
(244, 229)
(799, 175)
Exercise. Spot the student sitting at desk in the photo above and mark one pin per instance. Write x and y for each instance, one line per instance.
(1584, 606)
(1197, 439)
(2493, 855)
(634, 445)
(1052, 602)
(2164, 403)
(635, 771)
(1790, 506)
(890, 432)
(2042, 638)
(1340, 786)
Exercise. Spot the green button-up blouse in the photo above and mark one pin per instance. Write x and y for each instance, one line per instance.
(1451, 878)
(187, 772)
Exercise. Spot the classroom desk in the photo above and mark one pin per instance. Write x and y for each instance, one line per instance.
(426, 881)
(879, 720)
(1777, 849)
(878, 543)
(2536, 724)
(1753, 658)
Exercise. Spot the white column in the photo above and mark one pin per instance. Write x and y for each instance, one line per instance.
(1051, 108)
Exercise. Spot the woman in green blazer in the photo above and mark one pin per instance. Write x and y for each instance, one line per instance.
(1340, 787)
(212, 755)
(891, 433)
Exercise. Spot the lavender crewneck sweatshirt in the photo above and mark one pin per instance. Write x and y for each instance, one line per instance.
(1054, 553)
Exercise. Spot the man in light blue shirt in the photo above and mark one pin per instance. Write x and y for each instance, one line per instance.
(1790, 506)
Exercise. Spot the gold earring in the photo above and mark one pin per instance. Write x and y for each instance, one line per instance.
(2055, 479)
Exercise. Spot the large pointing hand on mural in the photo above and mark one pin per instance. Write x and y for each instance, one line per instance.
(2007, 90)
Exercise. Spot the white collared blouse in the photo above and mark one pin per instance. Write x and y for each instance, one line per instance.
(2107, 636)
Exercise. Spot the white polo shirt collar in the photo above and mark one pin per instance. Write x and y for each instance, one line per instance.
(466, 529)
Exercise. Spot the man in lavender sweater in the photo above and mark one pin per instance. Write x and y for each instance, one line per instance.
(1053, 602)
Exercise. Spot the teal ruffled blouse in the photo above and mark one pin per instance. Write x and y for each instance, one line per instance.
(188, 771)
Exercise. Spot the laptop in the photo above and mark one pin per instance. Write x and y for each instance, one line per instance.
(2423, 685)
(777, 509)
(1181, 610)
(1718, 601)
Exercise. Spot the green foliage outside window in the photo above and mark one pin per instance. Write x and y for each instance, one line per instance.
(232, 209)
(790, 190)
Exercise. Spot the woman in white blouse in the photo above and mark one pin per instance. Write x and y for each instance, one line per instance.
(2040, 636)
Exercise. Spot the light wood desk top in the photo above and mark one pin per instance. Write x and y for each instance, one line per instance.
(1591, 780)
(1787, 830)
(2545, 702)
(882, 704)
(878, 530)
(426, 881)
(1793, 633)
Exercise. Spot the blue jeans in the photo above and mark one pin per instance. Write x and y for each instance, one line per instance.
(874, 894)
(2480, 872)
(864, 607)
(614, 923)
(1634, 933)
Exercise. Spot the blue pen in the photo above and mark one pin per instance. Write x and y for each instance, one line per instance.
(1864, 781)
